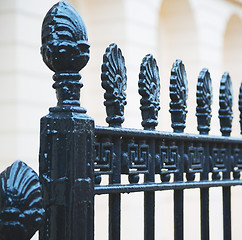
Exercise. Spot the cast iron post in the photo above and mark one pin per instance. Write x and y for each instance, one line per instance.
(67, 133)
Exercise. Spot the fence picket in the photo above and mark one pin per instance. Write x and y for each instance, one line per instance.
(204, 101)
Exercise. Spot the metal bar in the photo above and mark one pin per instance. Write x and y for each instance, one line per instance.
(227, 198)
(178, 214)
(178, 197)
(147, 134)
(149, 215)
(149, 197)
(115, 198)
(204, 196)
(129, 188)
(227, 213)
(114, 216)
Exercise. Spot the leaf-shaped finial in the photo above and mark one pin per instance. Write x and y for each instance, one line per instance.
(65, 50)
(21, 210)
(240, 107)
(178, 95)
(204, 101)
(114, 81)
(225, 103)
(149, 89)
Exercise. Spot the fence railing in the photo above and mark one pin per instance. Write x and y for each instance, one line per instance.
(75, 154)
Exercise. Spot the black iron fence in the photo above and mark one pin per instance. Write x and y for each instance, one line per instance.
(75, 154)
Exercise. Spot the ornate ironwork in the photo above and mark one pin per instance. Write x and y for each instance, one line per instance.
(236, 162)
(149, 89)
(240, 107)
(21, 211)
(204, 101)
(67, 133)
(218, 160)
(166, 160)
(135, 157)
(225, 103)
(114, 81)
(65, 51)
(71, 170)
(198, 154)
(194, 160)
(178, 95)
(104, 158)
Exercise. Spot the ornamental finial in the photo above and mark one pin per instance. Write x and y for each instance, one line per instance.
(225, 103)
(114, 81)
(149, 89)
(178, 95)
(204, 101)
(21, 210)
(65, 50)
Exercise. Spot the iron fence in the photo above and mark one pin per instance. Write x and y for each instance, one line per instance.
(75, 154)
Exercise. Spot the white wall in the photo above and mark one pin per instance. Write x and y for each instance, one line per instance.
(26, 82)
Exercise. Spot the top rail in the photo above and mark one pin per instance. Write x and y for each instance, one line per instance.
(140, 133)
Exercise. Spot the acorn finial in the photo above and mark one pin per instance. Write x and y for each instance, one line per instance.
(65, 50)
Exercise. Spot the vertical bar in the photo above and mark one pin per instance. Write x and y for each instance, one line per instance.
(115, 198)
(178, 95)
(225, 117)
(149, 89)
(178, 214)
(203, 113)
(149, 215)
(227, 212)
(204, 196)
(149, 197)
(178, 198)
(227, 198)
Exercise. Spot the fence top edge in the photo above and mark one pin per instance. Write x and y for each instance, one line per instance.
(130, 132)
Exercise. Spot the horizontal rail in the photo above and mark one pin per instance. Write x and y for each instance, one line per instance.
(148, 134)
(129, 188)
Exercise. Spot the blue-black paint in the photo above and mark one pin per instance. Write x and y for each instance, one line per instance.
(21, 203)
(75, 155)
(67, 133)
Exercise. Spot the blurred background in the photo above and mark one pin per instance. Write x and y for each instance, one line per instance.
(203, 33)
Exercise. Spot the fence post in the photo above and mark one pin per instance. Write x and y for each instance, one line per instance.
(67, 133)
